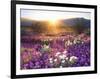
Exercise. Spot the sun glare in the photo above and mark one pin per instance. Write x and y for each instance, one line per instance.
(53, 21)
(53, 24)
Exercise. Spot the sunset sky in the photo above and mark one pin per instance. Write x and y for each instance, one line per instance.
(52, 15)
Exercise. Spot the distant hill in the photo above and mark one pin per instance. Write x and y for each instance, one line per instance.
(77, 25)
(69, 22)
(77, 21)
(26, 22)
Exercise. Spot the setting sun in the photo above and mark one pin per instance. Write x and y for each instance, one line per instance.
(53, 21)
(53, 25)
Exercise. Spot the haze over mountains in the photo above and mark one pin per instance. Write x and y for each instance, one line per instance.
(77, 21)
(78, 25)
(70, 22)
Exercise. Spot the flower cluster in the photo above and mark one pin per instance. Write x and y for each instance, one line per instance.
(68, 51)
